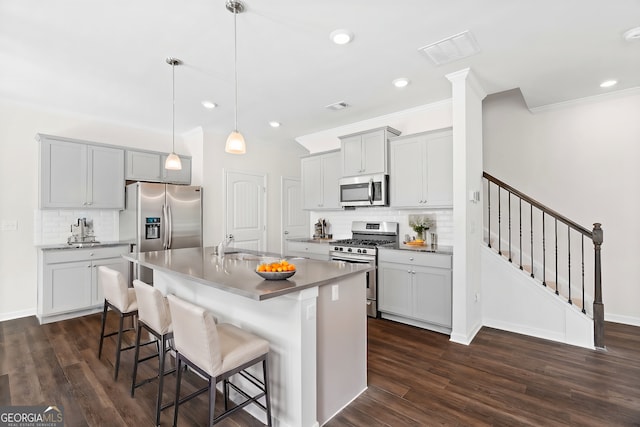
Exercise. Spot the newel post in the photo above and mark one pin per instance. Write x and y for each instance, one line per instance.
(598, 306)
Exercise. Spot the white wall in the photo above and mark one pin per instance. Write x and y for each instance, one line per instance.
(274, 160)
(580, 159)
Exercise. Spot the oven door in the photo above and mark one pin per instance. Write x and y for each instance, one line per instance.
(372, 308)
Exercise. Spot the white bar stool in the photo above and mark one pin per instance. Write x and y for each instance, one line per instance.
(154, 316)
(121, 300)
(217, 352)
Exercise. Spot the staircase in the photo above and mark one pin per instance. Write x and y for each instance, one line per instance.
(546, 252)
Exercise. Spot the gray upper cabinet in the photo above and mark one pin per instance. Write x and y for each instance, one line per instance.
(77, 174)
(365, 153)
(149, 166)
(182, 176)
(421, 171)
(320, 181)
(143, 166)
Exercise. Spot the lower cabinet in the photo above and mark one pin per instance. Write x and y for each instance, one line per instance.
(68, 280)
(415, 288)
(319, 251)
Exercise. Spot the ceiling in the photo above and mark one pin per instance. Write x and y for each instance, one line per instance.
(107, 59)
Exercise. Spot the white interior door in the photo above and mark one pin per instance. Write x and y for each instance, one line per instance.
(295, 221)
(245, 195)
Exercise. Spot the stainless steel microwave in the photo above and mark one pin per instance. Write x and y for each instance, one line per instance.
(364, 190)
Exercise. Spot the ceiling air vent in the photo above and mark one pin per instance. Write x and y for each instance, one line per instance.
(452, 48)
(337, 106)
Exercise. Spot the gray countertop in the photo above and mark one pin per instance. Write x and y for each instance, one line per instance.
(438, 249)
(56, 246)
(235, 272)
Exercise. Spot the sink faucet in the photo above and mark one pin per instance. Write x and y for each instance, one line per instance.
(224, 244)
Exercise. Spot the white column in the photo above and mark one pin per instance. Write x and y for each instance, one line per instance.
(467, 96)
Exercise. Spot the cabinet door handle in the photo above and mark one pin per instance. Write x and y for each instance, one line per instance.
(411, 259)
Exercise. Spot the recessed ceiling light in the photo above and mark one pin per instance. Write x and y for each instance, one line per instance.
(608, 83)
(632, 34)
(274, 124)
(341, 36)
(208, 104)
(401, 82)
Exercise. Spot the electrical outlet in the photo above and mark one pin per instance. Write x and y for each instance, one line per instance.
(334, 293)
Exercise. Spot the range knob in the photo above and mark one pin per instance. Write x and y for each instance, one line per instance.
(364, 251)
(359, 251)
(349, 250)
(335, 248)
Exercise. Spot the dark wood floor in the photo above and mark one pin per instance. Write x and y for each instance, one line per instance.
(416, 378)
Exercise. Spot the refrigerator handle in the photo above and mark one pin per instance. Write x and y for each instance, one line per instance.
(164, 226)
(169, 227)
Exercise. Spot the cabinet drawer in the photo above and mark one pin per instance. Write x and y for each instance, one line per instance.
(70, 255)
(305, 247)
(424, 259)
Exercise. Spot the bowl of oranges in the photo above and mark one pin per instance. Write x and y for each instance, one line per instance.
(278, 270)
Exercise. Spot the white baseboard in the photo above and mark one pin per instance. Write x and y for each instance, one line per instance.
(17, 314)
(626, 320)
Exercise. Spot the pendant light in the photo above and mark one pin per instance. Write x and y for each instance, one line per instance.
(235, 142)
(173, 161)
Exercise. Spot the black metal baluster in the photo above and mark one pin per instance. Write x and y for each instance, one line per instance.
(583, 302)
(531, 214)
(520, 225)
(544, 254)
(556, 233)
(569, 261)
(499, 223)
(509, 226)
(489, 210)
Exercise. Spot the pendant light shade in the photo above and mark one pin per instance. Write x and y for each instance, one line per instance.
(173, 161)
(235, 142)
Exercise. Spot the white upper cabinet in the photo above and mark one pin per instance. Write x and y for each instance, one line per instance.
(421, 171)
(75, 174)
(365, 153)
(320, 181)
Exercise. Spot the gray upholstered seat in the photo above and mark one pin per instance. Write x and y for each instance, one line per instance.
(217, 352)
(121, 300)
(155, 317)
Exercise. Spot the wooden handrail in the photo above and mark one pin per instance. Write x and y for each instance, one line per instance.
(539, 205)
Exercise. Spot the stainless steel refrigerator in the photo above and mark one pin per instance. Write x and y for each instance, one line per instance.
(161, 216)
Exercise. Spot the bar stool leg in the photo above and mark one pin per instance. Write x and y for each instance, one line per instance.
(135, 360)
(104, 320)
(161, 354)
(267, 396)
(212, 400)
(176, 404)
(115, 376)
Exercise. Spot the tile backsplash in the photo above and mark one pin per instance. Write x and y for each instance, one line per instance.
(54, 226)
(340, 221)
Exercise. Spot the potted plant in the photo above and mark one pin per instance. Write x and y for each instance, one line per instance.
(419, 224)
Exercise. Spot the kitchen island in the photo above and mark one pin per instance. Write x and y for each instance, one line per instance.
(315, 322)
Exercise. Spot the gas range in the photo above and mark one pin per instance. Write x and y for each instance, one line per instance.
(359, 246)
(367, 237)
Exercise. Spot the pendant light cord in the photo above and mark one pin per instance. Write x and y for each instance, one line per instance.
(173, 128)
(235, 65)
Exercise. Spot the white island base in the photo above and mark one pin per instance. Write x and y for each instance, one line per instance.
(317, 336)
